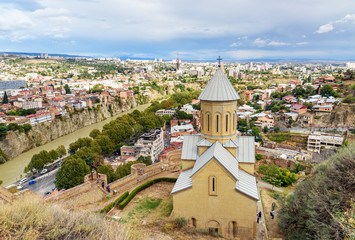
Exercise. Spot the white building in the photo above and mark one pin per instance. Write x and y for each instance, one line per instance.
(150, 144)
(39, 118)
(319, 140)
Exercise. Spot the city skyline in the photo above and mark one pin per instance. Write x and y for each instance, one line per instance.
(199, 30)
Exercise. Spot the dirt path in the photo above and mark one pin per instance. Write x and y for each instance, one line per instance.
(271, 224)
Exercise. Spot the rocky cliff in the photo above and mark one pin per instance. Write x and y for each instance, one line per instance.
(17, 142)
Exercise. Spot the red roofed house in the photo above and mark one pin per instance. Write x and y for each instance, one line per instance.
(298, 108)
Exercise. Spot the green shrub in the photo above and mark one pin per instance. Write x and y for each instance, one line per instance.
(124, 203)
(114, 203)
(278, 176)
(180, 222)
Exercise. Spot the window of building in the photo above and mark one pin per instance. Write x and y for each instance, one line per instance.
(208, 122)
(212, 185)
(217, 123)
(193, 220)
(213, 231)
(226, 123)
(234, 226)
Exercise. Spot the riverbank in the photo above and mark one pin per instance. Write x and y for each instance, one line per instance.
(12, 170)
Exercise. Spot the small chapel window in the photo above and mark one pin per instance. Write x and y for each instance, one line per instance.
(226, 123)
(213, 185)
(208, 122)
(217, 122)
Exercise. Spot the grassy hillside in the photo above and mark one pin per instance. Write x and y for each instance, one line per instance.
(33, 219)
(322, 206)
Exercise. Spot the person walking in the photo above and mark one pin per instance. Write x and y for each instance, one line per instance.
(257, 218)
(103, 185)
(272, 214)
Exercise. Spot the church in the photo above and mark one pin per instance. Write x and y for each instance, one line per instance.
(216, 189)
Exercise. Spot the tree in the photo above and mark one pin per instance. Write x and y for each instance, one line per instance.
(108, 171)
(67, 89)
(3, 130)
(266, 129)
(1, 182)
(327, 90)
(54, 154)
(12, 126)
(105, 144)
(94, 133)
(71, 173)
(276, 129)
(5, 99)
(61, 151)
(311, 211)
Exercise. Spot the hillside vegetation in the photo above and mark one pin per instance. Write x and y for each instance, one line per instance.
(322, 206)
(33, 219)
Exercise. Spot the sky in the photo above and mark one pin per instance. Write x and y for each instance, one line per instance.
(194, 29)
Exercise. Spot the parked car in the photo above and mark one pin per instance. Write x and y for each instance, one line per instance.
(33, 177)
(19, 187)
(44, 171)
(23, 181)
(31, 182)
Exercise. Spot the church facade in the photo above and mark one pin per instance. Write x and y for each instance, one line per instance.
(216, 189)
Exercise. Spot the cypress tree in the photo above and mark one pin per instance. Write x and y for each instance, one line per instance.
(5, 100)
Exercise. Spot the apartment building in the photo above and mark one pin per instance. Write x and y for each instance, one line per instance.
(318, 140)
(163, 112)
(150, 144)
(39, 118)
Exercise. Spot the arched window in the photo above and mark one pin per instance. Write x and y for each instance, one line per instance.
(202, 123)
(212, 185)
(193, 221)
(217, 123)
(234, 229)
(227, 123)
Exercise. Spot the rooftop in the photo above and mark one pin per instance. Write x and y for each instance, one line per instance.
(219, 88)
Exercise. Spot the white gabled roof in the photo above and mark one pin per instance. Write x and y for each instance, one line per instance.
(204, 143)
(230, 143)
(189, 147)
(184, 181)
(246, 149)
(222, 155)
(247, 184)
(219, 88)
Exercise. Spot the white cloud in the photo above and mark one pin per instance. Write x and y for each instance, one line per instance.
(259, 42)
(347, 18)
(14, 20)
(50, 12)
(302, 43)
(325, 28)
(303, 36)
(235, 44)
(277, 44)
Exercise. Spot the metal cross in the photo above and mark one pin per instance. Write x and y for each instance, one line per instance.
(219, 61)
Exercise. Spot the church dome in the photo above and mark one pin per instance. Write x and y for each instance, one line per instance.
(219, 88)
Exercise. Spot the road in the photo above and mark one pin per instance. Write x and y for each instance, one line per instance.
(44, 183)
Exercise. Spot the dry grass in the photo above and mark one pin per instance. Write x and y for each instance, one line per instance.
(34, 219)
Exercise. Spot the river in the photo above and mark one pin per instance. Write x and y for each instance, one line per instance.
(13, 169)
